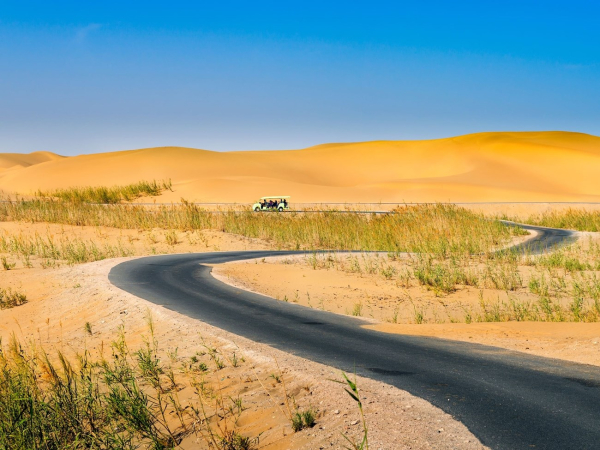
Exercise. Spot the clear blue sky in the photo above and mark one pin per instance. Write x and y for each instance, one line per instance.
(83, 77)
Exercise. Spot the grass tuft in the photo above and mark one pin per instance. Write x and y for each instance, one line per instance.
(11, 299)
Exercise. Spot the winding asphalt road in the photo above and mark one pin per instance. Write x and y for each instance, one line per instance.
(509, 400)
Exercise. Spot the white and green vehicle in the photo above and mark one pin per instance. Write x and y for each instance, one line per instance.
(272, 203)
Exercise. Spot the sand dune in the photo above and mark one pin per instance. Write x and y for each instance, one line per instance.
(503, 166)
(19, 160)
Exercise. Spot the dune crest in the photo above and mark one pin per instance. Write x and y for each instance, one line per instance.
(500, 166)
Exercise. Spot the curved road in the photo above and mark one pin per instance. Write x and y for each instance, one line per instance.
(509, 400)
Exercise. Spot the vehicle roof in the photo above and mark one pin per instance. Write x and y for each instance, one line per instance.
(275, 196)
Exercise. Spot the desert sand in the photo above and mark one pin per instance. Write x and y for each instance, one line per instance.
(17, 161)
(500, 166)
(62, 299)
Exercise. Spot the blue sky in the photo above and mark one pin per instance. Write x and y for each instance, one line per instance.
(84, 77)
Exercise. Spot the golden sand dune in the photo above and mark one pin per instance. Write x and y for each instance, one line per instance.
(19, 160)
(503, 166)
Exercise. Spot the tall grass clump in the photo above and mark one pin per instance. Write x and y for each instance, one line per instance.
(441, 230)
(108, 195)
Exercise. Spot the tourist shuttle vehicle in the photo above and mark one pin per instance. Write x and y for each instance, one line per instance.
(272, 203)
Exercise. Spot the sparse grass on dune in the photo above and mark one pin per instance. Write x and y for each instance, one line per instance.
(50, 249)
(562, 286)
(437, 229)
(108, 195)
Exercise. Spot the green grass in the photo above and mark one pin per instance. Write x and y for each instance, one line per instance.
(108, 195)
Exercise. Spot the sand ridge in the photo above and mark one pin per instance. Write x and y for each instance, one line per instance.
(502, 166)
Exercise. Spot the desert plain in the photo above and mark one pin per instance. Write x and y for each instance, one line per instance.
(57, 256)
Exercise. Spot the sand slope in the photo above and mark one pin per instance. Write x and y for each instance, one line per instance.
(507, 166)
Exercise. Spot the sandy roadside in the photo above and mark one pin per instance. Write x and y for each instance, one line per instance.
(63, 299)
(392, 307)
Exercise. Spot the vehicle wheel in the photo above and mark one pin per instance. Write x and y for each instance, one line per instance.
(280, 209)
(257, 209)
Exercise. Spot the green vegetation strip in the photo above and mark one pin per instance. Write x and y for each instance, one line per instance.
(436, 229)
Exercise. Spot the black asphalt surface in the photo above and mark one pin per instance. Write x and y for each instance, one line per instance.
(509, 400)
